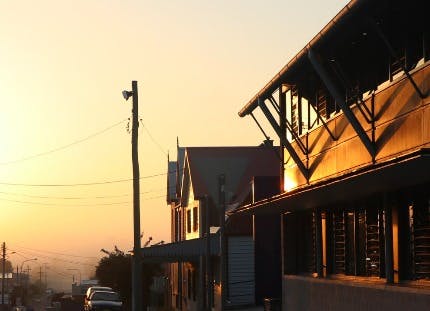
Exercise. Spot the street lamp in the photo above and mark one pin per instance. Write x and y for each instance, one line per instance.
(80, 276)
(22, 264)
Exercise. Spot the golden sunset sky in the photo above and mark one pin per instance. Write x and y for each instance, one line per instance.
(63, 65)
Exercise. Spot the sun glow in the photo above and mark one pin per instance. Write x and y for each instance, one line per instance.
(289, 182)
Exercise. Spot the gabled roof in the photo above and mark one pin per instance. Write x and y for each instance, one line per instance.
(238, 164)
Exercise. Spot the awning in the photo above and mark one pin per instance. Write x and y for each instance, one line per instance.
(188, 250)
(397, 173)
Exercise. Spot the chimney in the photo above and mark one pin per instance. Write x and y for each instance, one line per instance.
(267, 143)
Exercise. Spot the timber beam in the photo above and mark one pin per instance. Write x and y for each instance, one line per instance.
(339, 98)
(264, 133)
(395, 56)
(289, 127)
(284, 141)
(323, 123)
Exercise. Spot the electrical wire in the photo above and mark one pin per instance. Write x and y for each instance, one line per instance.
(153, 139)
(79, 205)
(83, 184)
(80, 198)
(65, 146)
(35, 254)
(62, 274)
(55, 253)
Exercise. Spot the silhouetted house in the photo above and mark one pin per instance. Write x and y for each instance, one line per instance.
(212, 182)
(352, 113)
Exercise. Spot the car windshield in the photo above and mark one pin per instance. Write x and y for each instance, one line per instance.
(99, 288)
(109, 296)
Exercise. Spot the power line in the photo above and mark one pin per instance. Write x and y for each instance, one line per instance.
(80, 198)
(64, 146)
(152, 138)
(79, 205)
(70, 205)
(55, 253)
(84, 184)
(62, 274)
(35, 254)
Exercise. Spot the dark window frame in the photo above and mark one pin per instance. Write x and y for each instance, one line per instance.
(195, 219)
(189, 221)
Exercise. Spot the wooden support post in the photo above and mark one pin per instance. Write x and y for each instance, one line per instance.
(388, 227)
(318, 243)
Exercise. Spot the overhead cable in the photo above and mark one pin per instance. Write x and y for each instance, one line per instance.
(55, 253)
(79, 204)
(153, 139)
(83, 184)
(64, 146)
(79, 197)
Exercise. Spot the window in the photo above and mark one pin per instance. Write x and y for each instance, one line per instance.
(419, 213)
(195, 219)
(299, 243)
(356, 240)
(194, 283)
(189, 221)
(189, 285)
(412, 214)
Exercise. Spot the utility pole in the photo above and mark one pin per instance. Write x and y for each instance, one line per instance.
(136, 260)
(46, 275)
(40, 277)
(3, 273)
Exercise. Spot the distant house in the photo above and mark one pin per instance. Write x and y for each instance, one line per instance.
(215, 269)
(352, 114)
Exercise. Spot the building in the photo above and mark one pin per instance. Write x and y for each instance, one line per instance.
(352, 114)
(212, 255)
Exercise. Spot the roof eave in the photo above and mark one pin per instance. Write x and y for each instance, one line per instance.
(270, 87)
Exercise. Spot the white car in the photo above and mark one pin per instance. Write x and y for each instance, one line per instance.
(102, 300)
(98, 288)
(92, 289)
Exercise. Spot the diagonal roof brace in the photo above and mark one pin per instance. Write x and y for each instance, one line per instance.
(337, 95)
(290, 128)
(324, 123)
(395, 56)
(264, 133)
(284, 141)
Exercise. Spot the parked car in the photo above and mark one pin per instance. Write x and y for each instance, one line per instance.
(97, 288)
(103, 300)
(92, 289)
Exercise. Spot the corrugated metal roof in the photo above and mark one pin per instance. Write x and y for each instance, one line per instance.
(180, 250)
(350, 40)
(238, 164)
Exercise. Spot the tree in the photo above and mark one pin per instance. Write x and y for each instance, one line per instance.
(114, 270)
(8, 266)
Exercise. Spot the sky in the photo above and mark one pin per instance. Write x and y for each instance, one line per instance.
(63, 120)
